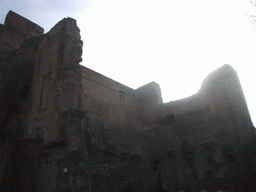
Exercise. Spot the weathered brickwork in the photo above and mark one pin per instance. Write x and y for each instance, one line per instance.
(64, 127)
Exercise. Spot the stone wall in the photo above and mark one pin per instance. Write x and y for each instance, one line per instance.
(245, 182)
(92, 133)
(15, 30)
(206, 132)
(111, 103)
(56, 82)
(21, 165)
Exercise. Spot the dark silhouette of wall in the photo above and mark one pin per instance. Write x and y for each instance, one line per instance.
(91, 133)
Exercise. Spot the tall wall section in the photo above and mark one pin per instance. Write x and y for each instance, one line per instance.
(17, 62)
(40, 102)
(64, 127)
(19, 40)
(56, 83)
(206, 132)
(15, 30)
(69, 113)
(115, 110)
(114, 105)
(56, 109)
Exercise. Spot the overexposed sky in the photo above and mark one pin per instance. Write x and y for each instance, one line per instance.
(174, 43)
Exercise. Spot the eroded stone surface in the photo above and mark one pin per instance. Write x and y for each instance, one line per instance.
(15, 30)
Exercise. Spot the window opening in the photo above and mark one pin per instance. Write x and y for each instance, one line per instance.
(121, 95)
(210, 160)
(190, 162)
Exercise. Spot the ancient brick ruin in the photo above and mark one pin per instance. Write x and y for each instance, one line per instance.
(64, 127)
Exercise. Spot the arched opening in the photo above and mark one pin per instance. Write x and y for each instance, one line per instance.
(208, 154)
(190, 162)
(229, 154)
(210, 160)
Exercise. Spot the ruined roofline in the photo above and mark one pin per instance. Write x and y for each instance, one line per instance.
(150, 88)
(108, 78)
(139, 92)
(16, 21)
(217, 74)
(15, 30)
(152, 82)
(66, 24)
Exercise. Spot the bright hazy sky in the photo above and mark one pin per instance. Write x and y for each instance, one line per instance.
(174, 43)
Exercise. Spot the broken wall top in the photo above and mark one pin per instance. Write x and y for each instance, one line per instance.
(15, 30)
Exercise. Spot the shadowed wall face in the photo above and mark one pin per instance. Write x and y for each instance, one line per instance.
(89, 128)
